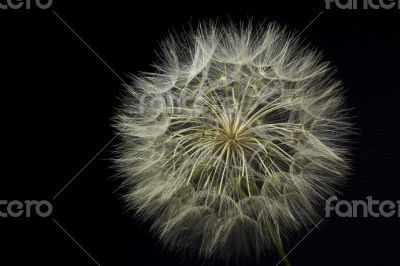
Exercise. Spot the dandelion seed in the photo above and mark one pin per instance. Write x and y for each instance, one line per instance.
(251, 153)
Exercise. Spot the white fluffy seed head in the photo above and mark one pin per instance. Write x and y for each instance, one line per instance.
(235, 140)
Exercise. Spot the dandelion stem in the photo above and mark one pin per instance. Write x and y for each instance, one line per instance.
(278, 244)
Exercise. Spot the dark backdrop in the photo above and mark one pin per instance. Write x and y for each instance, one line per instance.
(57, 98)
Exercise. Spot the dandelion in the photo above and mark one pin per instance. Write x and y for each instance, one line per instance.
(234, 142)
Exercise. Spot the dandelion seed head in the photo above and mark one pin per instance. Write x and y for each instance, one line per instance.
(235, 140)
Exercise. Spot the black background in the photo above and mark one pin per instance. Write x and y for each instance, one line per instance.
(57, 99)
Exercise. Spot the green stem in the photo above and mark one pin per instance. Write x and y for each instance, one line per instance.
(278, 245)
